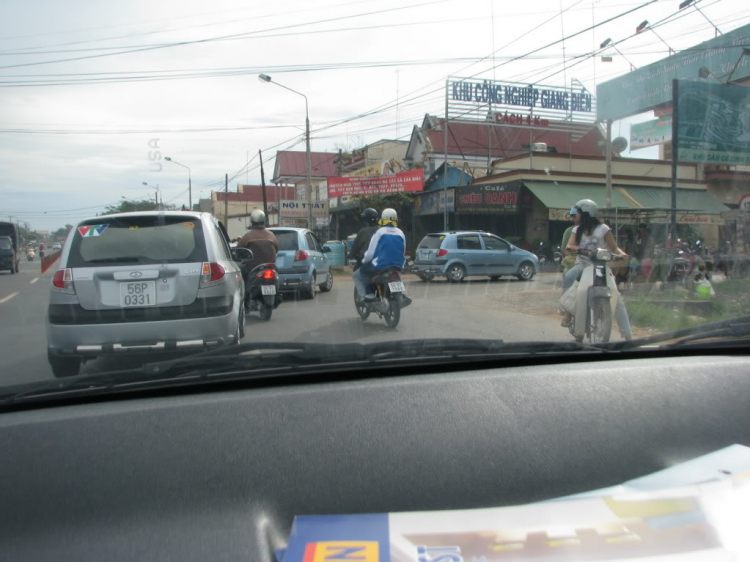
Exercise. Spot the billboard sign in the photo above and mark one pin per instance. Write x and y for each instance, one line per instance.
(520, 105)
(651, 133)
(651, 85)
(298, 209)
(433, 202)
(488, 198)
(412, 180)
(713, 123)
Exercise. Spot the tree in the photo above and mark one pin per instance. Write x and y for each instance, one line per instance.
(62, 233)
(130, 206)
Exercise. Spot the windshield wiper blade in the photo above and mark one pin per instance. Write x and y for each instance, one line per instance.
(729, 330)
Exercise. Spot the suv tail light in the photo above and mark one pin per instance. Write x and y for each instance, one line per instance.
(301, 255)
(442, 252)
(267, 274)
(212, 274)
(63, 280)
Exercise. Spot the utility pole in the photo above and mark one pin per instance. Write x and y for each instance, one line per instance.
(609, 164)
(263, 186)
(226, 200)
(675, 156)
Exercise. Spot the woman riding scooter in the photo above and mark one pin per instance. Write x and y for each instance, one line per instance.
(589, 231)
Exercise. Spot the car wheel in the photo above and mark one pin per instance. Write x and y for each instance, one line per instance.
(64, 366)
(525, 271)
(456, 273)
(495, 278)
(328, 285)
(426, 276)
(310, 290)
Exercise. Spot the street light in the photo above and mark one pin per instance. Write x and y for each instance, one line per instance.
(308, 162)
(645, 25)
(608, 42)
(190, 181)
(687, 3)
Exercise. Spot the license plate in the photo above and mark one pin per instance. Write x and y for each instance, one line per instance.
(422, 255)
(268, 289)
(396, 287)
(137, 293)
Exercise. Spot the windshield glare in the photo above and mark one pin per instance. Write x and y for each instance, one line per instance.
(386, 192)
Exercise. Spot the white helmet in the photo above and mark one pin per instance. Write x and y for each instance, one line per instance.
(588, 206)
(389, 216)
(258, 218)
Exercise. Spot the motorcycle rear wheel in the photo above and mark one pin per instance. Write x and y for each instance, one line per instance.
(361, 307)
(266, 312)
(392, 316)
(601, 324)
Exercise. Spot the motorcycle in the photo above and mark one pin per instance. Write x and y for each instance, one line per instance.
(30, 255)
(595, 299)
(390, 298)
(541, 255)
(557, 258)
(262, 290)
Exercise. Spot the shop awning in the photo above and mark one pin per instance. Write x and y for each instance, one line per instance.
(687, 199)
(565, 195)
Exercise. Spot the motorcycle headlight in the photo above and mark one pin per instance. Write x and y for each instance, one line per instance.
(603, 255)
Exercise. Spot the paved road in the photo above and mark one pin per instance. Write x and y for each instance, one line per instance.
(472, 309)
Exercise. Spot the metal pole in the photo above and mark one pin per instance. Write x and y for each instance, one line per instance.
(609, 163)
(263, 186)
(675, 143)
(445, 163)
(308, 165)
(226, 200)
(190, 191)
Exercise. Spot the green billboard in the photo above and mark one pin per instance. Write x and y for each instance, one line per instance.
(651, 86)
(713, 123)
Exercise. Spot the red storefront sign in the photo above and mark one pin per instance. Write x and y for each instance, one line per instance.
(403, 181)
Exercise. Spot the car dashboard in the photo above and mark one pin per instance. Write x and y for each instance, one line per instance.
(220, 475)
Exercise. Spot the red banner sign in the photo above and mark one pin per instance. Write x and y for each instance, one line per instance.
(403, 181)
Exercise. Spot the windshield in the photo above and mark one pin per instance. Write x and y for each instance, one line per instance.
(194, 176)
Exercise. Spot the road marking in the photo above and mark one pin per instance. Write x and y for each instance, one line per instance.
(34, 280)
(6, 299)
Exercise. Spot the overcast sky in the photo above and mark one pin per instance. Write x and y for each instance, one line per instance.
(83, 99)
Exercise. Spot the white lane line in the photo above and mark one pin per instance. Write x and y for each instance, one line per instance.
(6, 299)
(34, 280)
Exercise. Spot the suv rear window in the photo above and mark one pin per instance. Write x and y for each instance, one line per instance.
(431, 242)
(137, 240)
(288, 239)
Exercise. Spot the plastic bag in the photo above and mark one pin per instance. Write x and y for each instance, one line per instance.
(568, 300)
(704, 289)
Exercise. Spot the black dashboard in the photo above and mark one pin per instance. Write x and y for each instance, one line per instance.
(221, 475)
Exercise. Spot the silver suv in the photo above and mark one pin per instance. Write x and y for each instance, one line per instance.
(140, 283)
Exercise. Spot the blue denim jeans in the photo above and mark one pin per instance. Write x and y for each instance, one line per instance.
(621, 314)
(362, 278)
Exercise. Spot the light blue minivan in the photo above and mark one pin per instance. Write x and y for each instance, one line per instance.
(456, 255)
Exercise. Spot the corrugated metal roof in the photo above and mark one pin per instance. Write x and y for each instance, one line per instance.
(687, 199)
(291, 164)
(558, 195)
(472, 139)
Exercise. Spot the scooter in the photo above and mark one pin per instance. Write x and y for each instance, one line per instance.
(262, 290)
(541, 255)
(30, 255)
(390, 298)
(595, 299)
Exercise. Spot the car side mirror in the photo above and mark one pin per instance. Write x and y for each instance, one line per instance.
(241, 254)
(326, 249)
(512, 249)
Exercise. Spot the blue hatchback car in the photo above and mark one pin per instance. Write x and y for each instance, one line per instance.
(302, 262)
(459, 254)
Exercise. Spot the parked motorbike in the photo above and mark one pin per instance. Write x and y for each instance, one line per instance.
(557, 258)
(541, 255)
(390, 298)
(595, 299)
